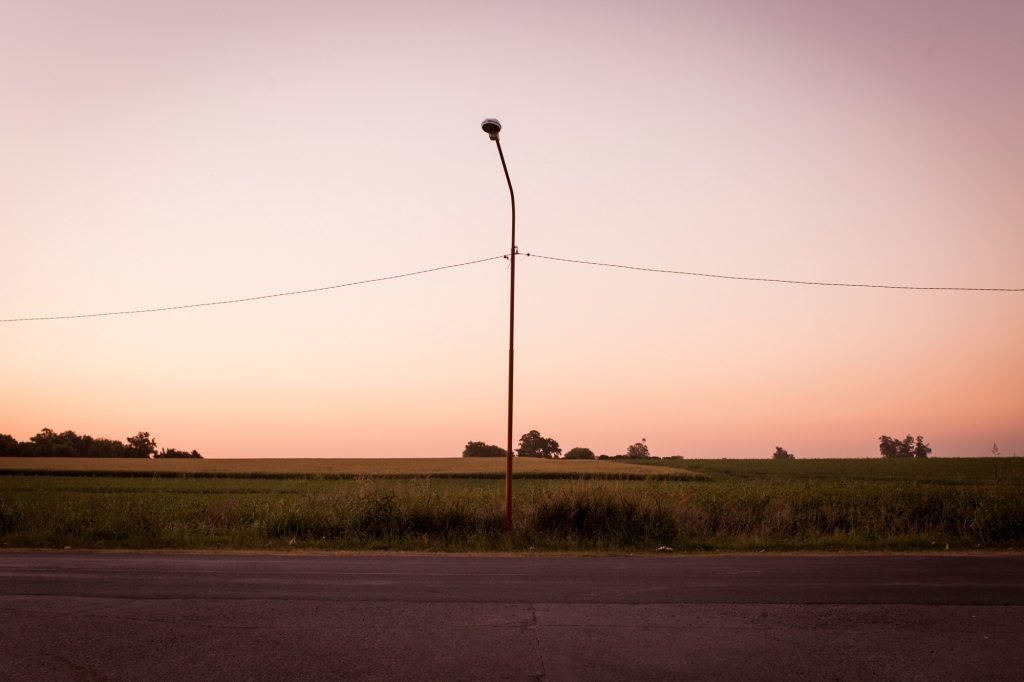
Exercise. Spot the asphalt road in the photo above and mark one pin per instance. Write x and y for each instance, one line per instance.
(83, 615)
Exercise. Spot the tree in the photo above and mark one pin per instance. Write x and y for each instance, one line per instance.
(638, 450)
(104, 447)
(532, 444)
(43, 444)
(580, 453)
(141, 445)
(8, 446)
(781, 453)
(44, 437)
(995, 450)
(477, 448)
(893, 448)
(49, 443)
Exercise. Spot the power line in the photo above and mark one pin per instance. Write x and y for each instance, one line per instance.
(484, 260)
(253, 298)
(766, 279)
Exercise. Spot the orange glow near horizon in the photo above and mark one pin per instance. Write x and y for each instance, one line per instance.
(215, 150)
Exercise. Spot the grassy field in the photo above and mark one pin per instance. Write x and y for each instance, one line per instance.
(443, 467)
(952, 471)
(457, 505)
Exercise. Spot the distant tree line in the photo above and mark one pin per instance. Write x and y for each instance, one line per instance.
(533, 444)
(893, 448)
(49, 443)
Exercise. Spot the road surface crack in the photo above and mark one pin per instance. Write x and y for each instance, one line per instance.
(534, 626)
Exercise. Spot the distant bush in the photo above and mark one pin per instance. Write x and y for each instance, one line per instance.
(580, 453)
(782, 453)
(476, 448)
(171, 453)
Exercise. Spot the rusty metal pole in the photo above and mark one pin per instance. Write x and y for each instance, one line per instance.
(492, 127)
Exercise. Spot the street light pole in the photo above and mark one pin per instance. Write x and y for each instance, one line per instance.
(492, 127)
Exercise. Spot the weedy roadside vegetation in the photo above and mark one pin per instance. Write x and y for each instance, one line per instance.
(741, 506)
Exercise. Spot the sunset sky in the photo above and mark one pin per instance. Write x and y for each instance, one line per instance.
(165, 153)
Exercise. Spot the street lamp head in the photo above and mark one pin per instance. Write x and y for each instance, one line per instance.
(491, 127)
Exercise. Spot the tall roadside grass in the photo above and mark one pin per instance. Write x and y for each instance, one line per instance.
(467, 515)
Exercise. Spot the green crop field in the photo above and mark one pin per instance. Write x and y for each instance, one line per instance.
(340, 468)
(457, 505)
(953, 471)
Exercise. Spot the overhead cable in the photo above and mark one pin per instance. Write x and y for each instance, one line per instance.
(252, 298)
(576, 261)
(767, 279)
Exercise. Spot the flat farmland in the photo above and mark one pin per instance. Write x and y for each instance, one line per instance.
(399, 467)
(953, 470)
(456, 505)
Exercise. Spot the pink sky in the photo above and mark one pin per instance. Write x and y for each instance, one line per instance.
(166, 153)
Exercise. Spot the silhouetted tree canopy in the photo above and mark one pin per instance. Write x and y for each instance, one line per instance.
(893, 448)
(142, 444)
(8, 446)
(49, 443)
(580, 453)
(532, 444)
(638, 450)
(476, 448)
(782, 453)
